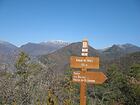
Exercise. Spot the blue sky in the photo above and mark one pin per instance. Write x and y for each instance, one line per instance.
(103, 22)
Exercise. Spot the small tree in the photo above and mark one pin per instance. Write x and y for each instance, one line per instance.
(22, 80)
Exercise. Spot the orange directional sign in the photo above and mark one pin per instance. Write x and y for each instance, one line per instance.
(89, 77)
(84, 62)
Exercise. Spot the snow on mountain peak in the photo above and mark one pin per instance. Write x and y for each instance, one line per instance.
(57, 42)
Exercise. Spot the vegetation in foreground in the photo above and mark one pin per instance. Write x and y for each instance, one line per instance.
(36, 84)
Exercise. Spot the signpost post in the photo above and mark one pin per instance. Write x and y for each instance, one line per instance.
(84, 76)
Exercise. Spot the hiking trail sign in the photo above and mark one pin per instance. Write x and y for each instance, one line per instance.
(83, 77)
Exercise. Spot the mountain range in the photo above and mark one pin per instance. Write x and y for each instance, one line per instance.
(59, 52)
(36, 49)
(10, 52)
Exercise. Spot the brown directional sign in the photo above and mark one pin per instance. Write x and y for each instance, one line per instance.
(83, 76)
(89, 77)
(84, 62)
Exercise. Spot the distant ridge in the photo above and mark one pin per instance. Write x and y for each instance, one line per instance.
(116, 51)
(36, 49)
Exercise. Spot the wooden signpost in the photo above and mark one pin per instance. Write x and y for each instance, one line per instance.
(84, 76)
